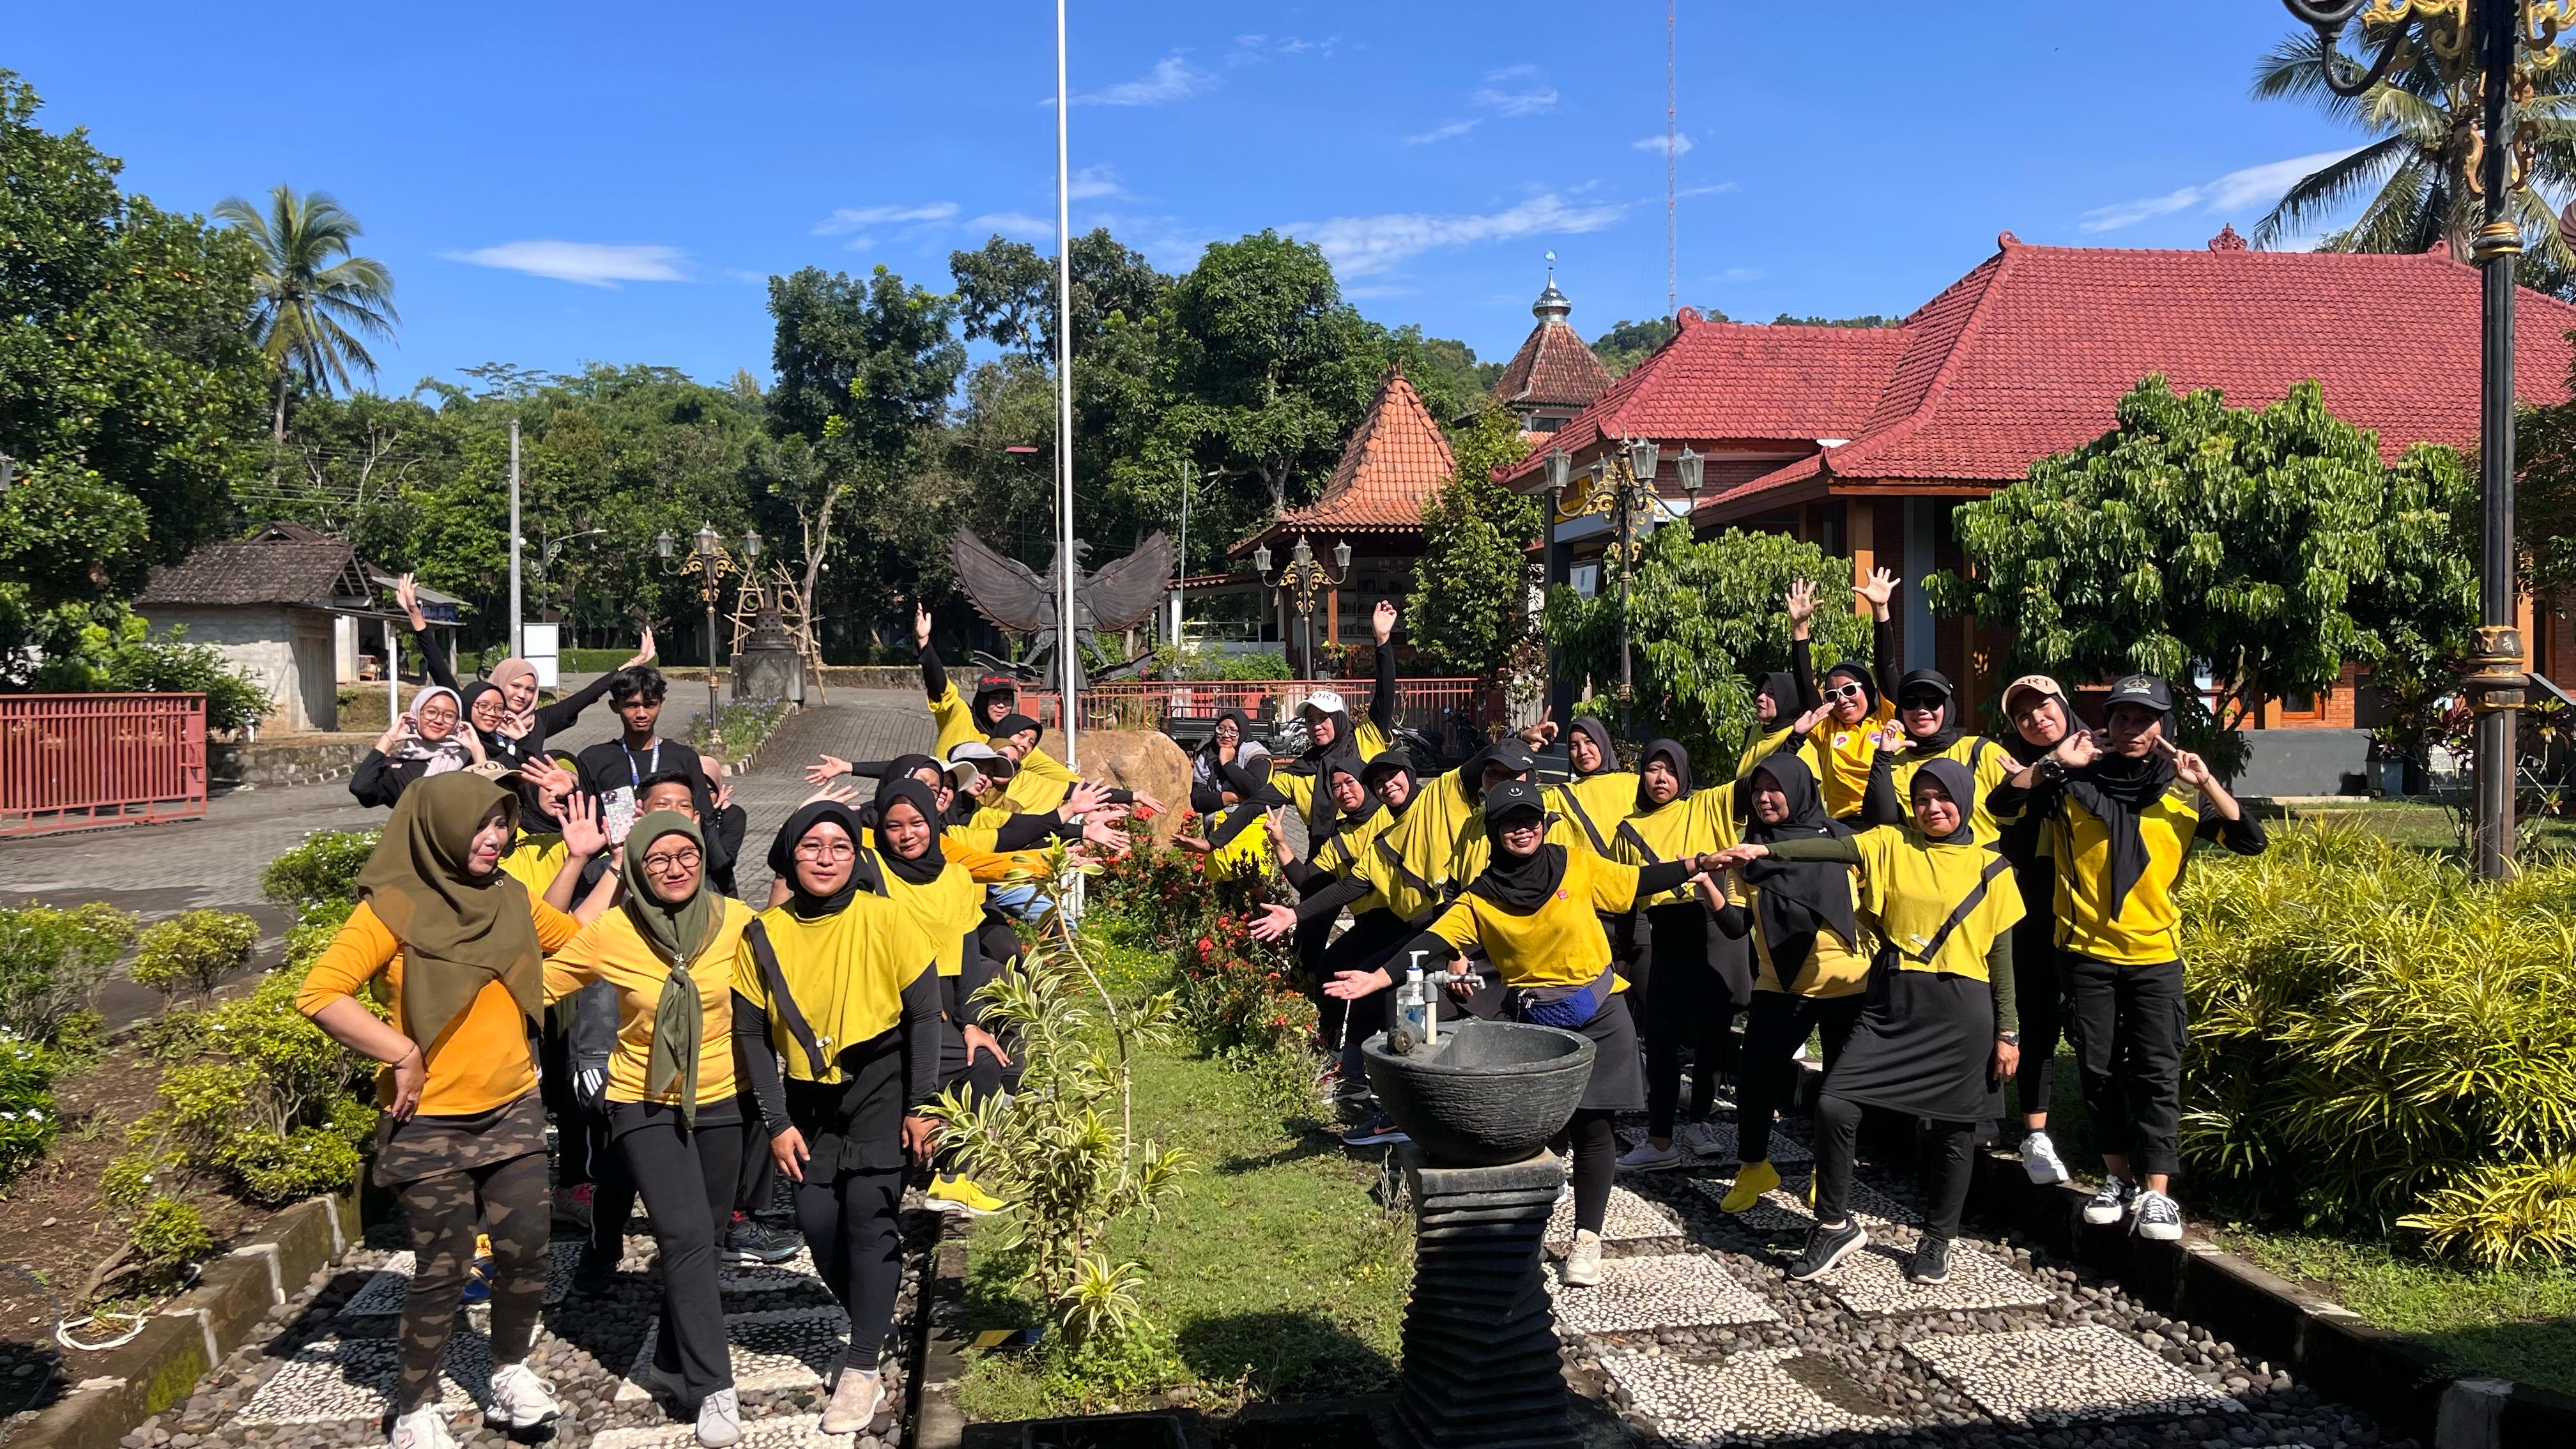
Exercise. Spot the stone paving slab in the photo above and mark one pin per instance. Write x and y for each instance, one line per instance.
(1787, 1150)
(386, 1292)
(785, 1348)
(1749, 1398)
(336, 1380)
(2057, 1375)
(1680, 1290)
(1784, 1208)
(798, 1433)
(1630, 1219)
(1872, 1282)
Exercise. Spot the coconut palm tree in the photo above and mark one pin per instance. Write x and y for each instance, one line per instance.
(312, 309)
(2412, 180)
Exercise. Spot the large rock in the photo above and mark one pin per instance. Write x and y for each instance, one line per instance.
(1145, 760)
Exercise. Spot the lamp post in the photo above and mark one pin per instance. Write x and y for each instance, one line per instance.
(2486, 49)
(1303, 579)
(1623, 486)
(709, 561)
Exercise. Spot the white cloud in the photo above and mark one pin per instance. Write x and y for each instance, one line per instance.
(592, 264)
(1013, 223)
(1173, 78)
(2232, 192)
(1253, 49)
(850, 219)
(1681, 145)
(1093, 182)
(1514, 91)
(1450, 131)
(1362, 245)
(1740, 274)
(1720, 189)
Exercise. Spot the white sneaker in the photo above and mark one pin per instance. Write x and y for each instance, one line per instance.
(1583, 1262)
(422, 1428)
(2159, 1217)
(854, 1402)
(719, 1420)
(520, 1400)
(1707, 1143)
(2111, 1203)
(2039, 1158)
(1647, 1157)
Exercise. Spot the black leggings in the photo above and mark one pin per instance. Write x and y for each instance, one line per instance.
(1330, 1011)
(439, 1214)
(851, 1222)
(2039, 984)
(2130, 1024)
(978, 1082)
(688, 1180)
(1596, 1161)
(756, 1184)
(1947, 1150)
(1775, 1026)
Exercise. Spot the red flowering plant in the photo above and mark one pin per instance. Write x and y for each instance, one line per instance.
(1238, 994)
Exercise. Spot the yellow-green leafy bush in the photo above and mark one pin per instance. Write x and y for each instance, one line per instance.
(194, 951)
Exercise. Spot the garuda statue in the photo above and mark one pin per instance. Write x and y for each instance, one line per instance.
(1115, 598)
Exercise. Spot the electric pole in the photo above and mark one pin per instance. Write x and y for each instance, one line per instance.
(515, 642)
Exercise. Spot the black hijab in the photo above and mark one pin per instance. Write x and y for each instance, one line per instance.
(1518, 882)
(1798, 898)
(1781, 688)
(782, 858)
(2116, 788)
(1392, 762)
(1954, 778)
(1013, 724)
(1238, 817)
(924, 868)
(1948, 734)
(1346, 762)
(1599, 734)
(1860, 674)
(1313, 757)
(988, 688)
(1671, 750)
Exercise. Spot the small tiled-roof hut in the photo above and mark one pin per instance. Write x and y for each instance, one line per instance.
(269, 603)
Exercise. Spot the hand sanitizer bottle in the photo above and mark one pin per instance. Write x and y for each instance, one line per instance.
(1413, 1003)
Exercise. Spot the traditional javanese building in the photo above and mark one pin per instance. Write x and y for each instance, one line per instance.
(1864, 439)
(1555, 375)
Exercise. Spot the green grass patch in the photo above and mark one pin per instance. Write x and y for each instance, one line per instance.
(2517, 1323)
(1276, 1275)
(2421, 826)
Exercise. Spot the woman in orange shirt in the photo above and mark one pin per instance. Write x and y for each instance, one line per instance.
(459, 944)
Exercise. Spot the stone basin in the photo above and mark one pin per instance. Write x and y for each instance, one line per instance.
(1487, 1093)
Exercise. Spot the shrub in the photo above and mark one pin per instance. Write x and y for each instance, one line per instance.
(2379, 1043)
(746, 725)
(51, 962)
(198, 949)
(1236, 994)
(311, 934)
(168, 1235)
(275, 1108)
(28, 1120)
(125, 656)
(324, 867)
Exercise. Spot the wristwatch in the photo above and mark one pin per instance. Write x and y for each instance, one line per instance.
(2009, 1038)
(2052, 770)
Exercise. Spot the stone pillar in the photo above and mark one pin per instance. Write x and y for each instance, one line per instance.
(1481, 1360)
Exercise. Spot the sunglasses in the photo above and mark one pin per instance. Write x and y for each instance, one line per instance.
(1922, 702)
(1848, 691)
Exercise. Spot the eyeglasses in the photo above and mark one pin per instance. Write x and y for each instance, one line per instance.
(825, 850)
(1848, 691)
(672, 862)
(1922, 702)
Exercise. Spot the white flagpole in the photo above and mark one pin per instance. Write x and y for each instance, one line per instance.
(1067, 640)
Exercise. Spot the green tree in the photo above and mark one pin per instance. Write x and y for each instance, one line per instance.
(2411, 179)
(126, 382)
(2267, 546)
(1469, 607)
(1629, 343)
(313, 310)
(1705, 624)
(1866, 319)
(1444, 371)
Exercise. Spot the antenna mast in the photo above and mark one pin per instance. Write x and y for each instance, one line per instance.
(1672, 137)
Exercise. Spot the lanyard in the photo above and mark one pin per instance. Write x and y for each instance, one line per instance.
(653, 764)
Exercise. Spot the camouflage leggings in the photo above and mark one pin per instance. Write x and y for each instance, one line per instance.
(510, 1199)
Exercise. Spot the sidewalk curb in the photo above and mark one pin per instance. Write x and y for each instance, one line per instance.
(193, 1332)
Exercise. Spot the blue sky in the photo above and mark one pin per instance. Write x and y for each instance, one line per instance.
(553, 184)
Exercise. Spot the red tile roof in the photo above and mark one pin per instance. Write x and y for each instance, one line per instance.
(1554, 368)
(2028, 354)
(1395, 460)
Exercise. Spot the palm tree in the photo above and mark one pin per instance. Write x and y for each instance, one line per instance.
(2415, 174)
(312, 310)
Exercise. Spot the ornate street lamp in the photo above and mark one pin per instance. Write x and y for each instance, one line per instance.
(2486, 49)
(1304, 578)
(710, 563)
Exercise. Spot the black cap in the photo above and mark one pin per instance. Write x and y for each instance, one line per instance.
(1510, 798)
(1512, 755)
(1920, 679)
(2145, 689)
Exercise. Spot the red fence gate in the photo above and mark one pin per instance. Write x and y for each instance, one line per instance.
(1135, 704)
(68, 761)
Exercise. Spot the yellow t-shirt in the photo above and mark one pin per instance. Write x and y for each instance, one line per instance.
(1764, 746)
(1559, 944)
(610, 949)
(847, 972)
(535, 861)
(1834, 967)
(944, 911)
(2148, 929)
(1695, 826)
(1596, 804)
(1913, 890)
(1342, 854)
(1843, 753)
(1989, 762)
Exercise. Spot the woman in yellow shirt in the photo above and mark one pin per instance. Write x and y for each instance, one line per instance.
(1534, 912)
(1811, 957)
(668, 952)
(1857, 707)
(842, 985)
(1695, 979)
(1937, 1033)
(459, 946)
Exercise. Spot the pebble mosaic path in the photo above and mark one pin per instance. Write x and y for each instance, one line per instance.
(1697, 1339)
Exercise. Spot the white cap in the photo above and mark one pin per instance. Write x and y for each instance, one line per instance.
(1323, 702)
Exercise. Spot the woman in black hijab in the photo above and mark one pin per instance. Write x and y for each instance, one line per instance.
(1213, 765)
(2041, 719)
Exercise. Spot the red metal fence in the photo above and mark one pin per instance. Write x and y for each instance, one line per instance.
(1422, 704)
(68, 761)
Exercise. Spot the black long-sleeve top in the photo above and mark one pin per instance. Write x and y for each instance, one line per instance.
(552, 719)
(915, 1038)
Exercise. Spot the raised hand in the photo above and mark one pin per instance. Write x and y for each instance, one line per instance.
(1147, 807)
(920, 628)
(1107, 836)
(1539, 736)
(1084, 799)
(407, 594)
(1878, 588)
(837, 794)
(584, 835)
(1810, 719)
(644, 650)
(724, 796)
(2077, 750)
(1800, 601)
(2189, 768)
(826, 769)
(1382, 619)
(1271, 922)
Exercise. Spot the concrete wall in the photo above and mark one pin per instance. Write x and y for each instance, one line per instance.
(289, 651)
(2295, 762)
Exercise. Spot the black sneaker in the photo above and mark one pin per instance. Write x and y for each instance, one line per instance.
(1378, 1130)
(1931, 1261)
(754, 1241)
(593, 1275)
(1827, 1247)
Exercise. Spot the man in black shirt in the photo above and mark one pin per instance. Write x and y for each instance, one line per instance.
(615, 772)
